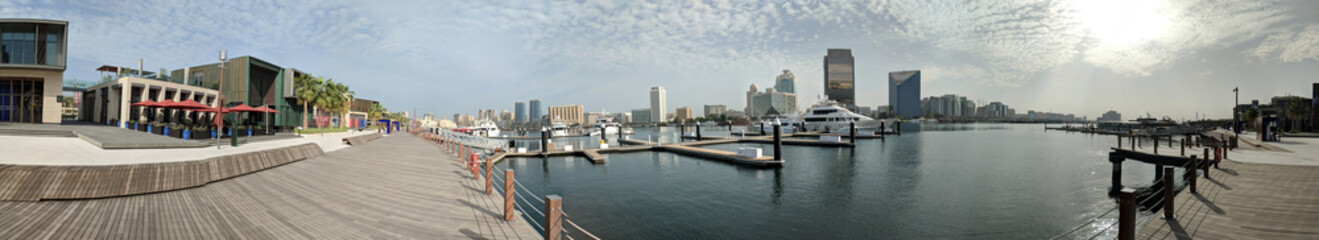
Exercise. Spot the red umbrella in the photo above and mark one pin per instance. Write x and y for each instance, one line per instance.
(167, 103)
(147, 103)
(211, 109)
(189, 105)
(243, 108)
(267, 109)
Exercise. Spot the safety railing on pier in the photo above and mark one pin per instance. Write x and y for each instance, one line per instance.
(469, 140)
(522, 204)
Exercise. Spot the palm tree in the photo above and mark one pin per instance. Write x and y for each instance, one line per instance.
(1295, 110)
(307, 89)
(377, 111)
(1250, 115)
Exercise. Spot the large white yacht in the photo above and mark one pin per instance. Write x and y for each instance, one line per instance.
(832, 117)
(787, 124)
(610, 126)
(485, 128)
(558, 129)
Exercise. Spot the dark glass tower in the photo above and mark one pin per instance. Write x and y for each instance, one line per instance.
(839, 77)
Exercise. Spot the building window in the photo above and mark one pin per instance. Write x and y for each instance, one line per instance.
(18, 44)
(54, 53)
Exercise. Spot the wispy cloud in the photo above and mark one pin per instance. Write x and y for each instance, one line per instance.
(1289, 46)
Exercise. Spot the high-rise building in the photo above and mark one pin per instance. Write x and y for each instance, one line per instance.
(567, 114)
(641, 115)
(839, 77)
(786, 82)
(750, 92)
(520, 112)
(715, 110)
(658, 104)
(904, 93)
(683, 113)
(535, 111)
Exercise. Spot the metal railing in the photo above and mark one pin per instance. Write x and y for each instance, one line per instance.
(470, 140)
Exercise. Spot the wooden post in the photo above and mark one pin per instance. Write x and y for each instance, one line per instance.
(508, 195)
(489, 177)
(1195, 167)
(1126, 222)
(1156, 145)
(475, 166)
(1183, 147)
(1117, 169)
(1119, 141)
(778, 144)
(553, 217)
(1133, 142)
(1167, 193)
(882, 128)
(852, 132)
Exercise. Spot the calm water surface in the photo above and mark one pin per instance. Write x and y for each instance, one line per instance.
(943, 181)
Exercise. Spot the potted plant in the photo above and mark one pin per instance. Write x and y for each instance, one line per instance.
(175, 130)
(142, 126)
(200, 132)
(114, 122)
(156, 128)
(243, 129)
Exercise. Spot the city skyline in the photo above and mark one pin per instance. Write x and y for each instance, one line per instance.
(1057, 56)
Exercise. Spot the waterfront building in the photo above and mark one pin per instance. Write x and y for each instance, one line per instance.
(520, 112)
(110, 102)
(535, 111)
(735, 114)
(32, 67)
(786, 82)
(641, 115)
(506, 118)
(592, 117)
(567, 114)
(994, 110)
(839, 77)
(254, 82)
(715, 110)
(751, 92)
(359, 112)
(904, 93)
(1110, 116)
(658, 104)
(683, 114)
(773, 103)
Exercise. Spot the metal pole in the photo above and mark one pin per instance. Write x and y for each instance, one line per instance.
(778, 144)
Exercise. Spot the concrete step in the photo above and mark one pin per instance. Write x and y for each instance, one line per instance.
(36, 133)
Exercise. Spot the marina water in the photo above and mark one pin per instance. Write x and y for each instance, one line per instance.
(984, 181)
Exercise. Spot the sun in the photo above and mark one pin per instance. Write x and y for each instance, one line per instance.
(1124, 22)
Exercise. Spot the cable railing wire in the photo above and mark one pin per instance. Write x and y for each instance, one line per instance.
(537, 210)
(1087, 223)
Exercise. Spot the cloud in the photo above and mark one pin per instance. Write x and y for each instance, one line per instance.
(1289, 46)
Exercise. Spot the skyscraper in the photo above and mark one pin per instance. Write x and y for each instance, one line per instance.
(786, 82)
(535, 111)
(751, 92)
(715, 110)
(839, 77)
(658, 104)
(904, 93)
(520, 112)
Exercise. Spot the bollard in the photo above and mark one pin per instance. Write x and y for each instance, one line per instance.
(852, 132)
(1126, 222)
(698, 132)
(682, 132)
(1167, 193)
(553, 217)
(778, 145)
(489, 177)
(544, 141)
(508, 195)
(1195, 167)
(882, 129)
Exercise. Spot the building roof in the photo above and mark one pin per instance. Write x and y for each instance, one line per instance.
(108, 68)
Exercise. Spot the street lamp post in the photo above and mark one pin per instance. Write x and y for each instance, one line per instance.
(219, 101)
(1236, 119)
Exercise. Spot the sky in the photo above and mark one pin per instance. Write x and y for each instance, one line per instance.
(1176, 58)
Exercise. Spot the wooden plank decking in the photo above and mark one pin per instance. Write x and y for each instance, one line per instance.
(400, 188)
(1245, 201)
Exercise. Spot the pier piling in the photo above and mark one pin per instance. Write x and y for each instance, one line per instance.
(778, 144)
(698, 132)
(1206, 154)
(1119, 141)
(682, 132)
(1168, 193)
(1117, 169)
(553, 217)
(544, 141)
(1156, 145)
(1183, 147)
(1195, 167)
(508, 195)
(852, 132)
(1126, 229)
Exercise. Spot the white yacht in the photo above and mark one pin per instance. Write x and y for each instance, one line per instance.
(485, 128)
(787, 124)
(558, 129)
(610, 126)
(832, 117)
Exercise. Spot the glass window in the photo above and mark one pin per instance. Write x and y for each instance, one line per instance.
(54, 53)
(18, 43)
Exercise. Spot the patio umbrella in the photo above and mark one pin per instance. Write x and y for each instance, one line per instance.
(268, 110)
(244, 108)
(147, 103)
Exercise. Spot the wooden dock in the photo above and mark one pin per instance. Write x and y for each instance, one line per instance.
(399, 188)
(1245, 201)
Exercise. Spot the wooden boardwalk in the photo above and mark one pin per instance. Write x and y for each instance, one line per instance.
(1245, 201)
(395, 187)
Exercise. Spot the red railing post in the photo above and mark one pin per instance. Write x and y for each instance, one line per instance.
(553, 217)
(508, 195)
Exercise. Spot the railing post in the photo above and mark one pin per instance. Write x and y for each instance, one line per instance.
(1117, 169)
(475, 159)
(1156, 145)
(1195, 167)
(1119, 141)
(553, 217)
(489, 177)
(1169, 141)
(1183, 147)
(1126, 222)
(508, 195)
(1168, 193)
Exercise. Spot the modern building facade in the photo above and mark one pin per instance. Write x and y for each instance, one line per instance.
(658, 104)
(786, 82)
(715, 110)
(641, 115)
(948, 105)
(520, 112)
(567, 114)
(110, 102)
(839, 77)
(683, 114)
(32, 62)
(359, 114)
(254, 82)
(753, 90)
(771, 102)
(535, 110)
(904, 93)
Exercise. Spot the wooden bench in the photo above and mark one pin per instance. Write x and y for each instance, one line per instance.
(34, 183)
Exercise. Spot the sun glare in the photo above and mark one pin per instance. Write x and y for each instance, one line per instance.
(1124, 22)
